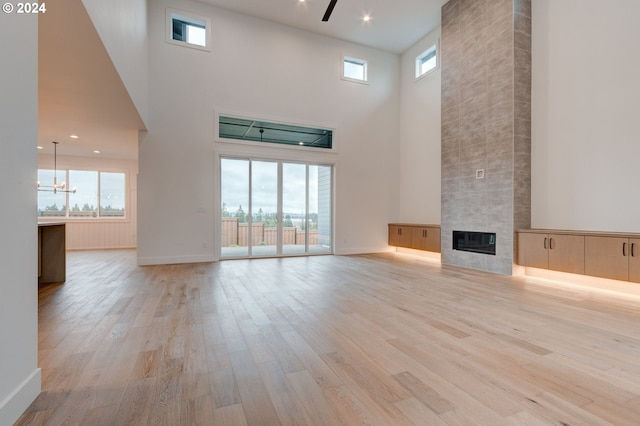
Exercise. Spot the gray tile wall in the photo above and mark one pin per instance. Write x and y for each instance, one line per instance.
(486, 124)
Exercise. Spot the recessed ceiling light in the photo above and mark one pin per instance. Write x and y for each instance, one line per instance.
(96, 152)
(73, 136)
(300, 143)
(40, 147)
(366, 18)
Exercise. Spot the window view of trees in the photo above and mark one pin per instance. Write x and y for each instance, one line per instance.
(270, 220)
(255, 194)
(99, 194)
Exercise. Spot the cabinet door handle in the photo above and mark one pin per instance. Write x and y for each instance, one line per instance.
(550, 243)
(624, 249)
(545, 243)
(633, 249)
(426, 233)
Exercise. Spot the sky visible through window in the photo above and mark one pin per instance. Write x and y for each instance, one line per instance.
(355, 69)
(426, 61)
(112, 190)
(196, 35)
(235, 187)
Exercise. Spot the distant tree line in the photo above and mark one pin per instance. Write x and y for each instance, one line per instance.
(85, 208)
(270, 220)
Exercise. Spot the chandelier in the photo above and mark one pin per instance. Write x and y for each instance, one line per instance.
(56, 188)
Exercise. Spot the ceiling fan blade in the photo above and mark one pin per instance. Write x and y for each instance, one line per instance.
(327, 14)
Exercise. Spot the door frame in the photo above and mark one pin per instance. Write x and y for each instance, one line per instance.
(280, 161)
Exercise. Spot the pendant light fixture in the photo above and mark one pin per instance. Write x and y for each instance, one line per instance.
(56, 188)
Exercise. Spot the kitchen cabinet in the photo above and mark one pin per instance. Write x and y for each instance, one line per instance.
(52, 263)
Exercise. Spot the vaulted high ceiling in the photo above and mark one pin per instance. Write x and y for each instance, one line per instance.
(394, 25)
(80, 91)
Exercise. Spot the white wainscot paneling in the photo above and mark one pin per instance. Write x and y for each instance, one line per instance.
(100, 235)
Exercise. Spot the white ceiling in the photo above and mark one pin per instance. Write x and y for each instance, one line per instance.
(81, 93)
(395, 24)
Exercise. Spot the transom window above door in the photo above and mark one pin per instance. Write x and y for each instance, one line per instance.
(261, 131)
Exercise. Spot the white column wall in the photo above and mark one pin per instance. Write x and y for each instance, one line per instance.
(122, 27)
(416, 196)
(19, 373)
(585, 111)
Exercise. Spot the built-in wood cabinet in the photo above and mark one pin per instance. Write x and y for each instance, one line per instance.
(607, 255)
(558, 252)
(634, 260)
(426, 238)
(617, 258)
(400, 235)
(415, 236)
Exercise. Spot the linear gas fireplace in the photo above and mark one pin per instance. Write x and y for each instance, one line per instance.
(476, 242)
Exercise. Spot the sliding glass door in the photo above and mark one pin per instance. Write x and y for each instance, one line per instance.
(275, 208)
(294, 208)
(263, 210)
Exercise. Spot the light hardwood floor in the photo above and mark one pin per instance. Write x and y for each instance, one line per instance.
(379, 339)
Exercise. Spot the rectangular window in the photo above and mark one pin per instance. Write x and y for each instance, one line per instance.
(354, 69)
(188, 30)
(98, 194)
(427, 61)
(112, 194)
(269, 132)
(51, 204)
(84, 203)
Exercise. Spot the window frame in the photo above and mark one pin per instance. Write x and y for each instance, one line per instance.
(356, 61)
(67, 216)
(274, 146)
(426, 52)
(196, 20)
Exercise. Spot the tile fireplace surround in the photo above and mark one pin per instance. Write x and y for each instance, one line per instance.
(486, 126)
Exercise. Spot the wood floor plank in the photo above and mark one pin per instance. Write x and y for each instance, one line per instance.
(135, 408)
(232, 415)
(312, 398)
(423, 393)
(380, 339)
(224, 388)
(418, 413)
(283, 395)
(257, 406)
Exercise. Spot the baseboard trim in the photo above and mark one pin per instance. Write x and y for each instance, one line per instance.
(20, 399)
(172, 260)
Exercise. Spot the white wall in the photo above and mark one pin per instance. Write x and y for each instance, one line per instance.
(19, 372)
(91, 234)
(259, 68)
(121, 25)
(585, 113)
(416, 195)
